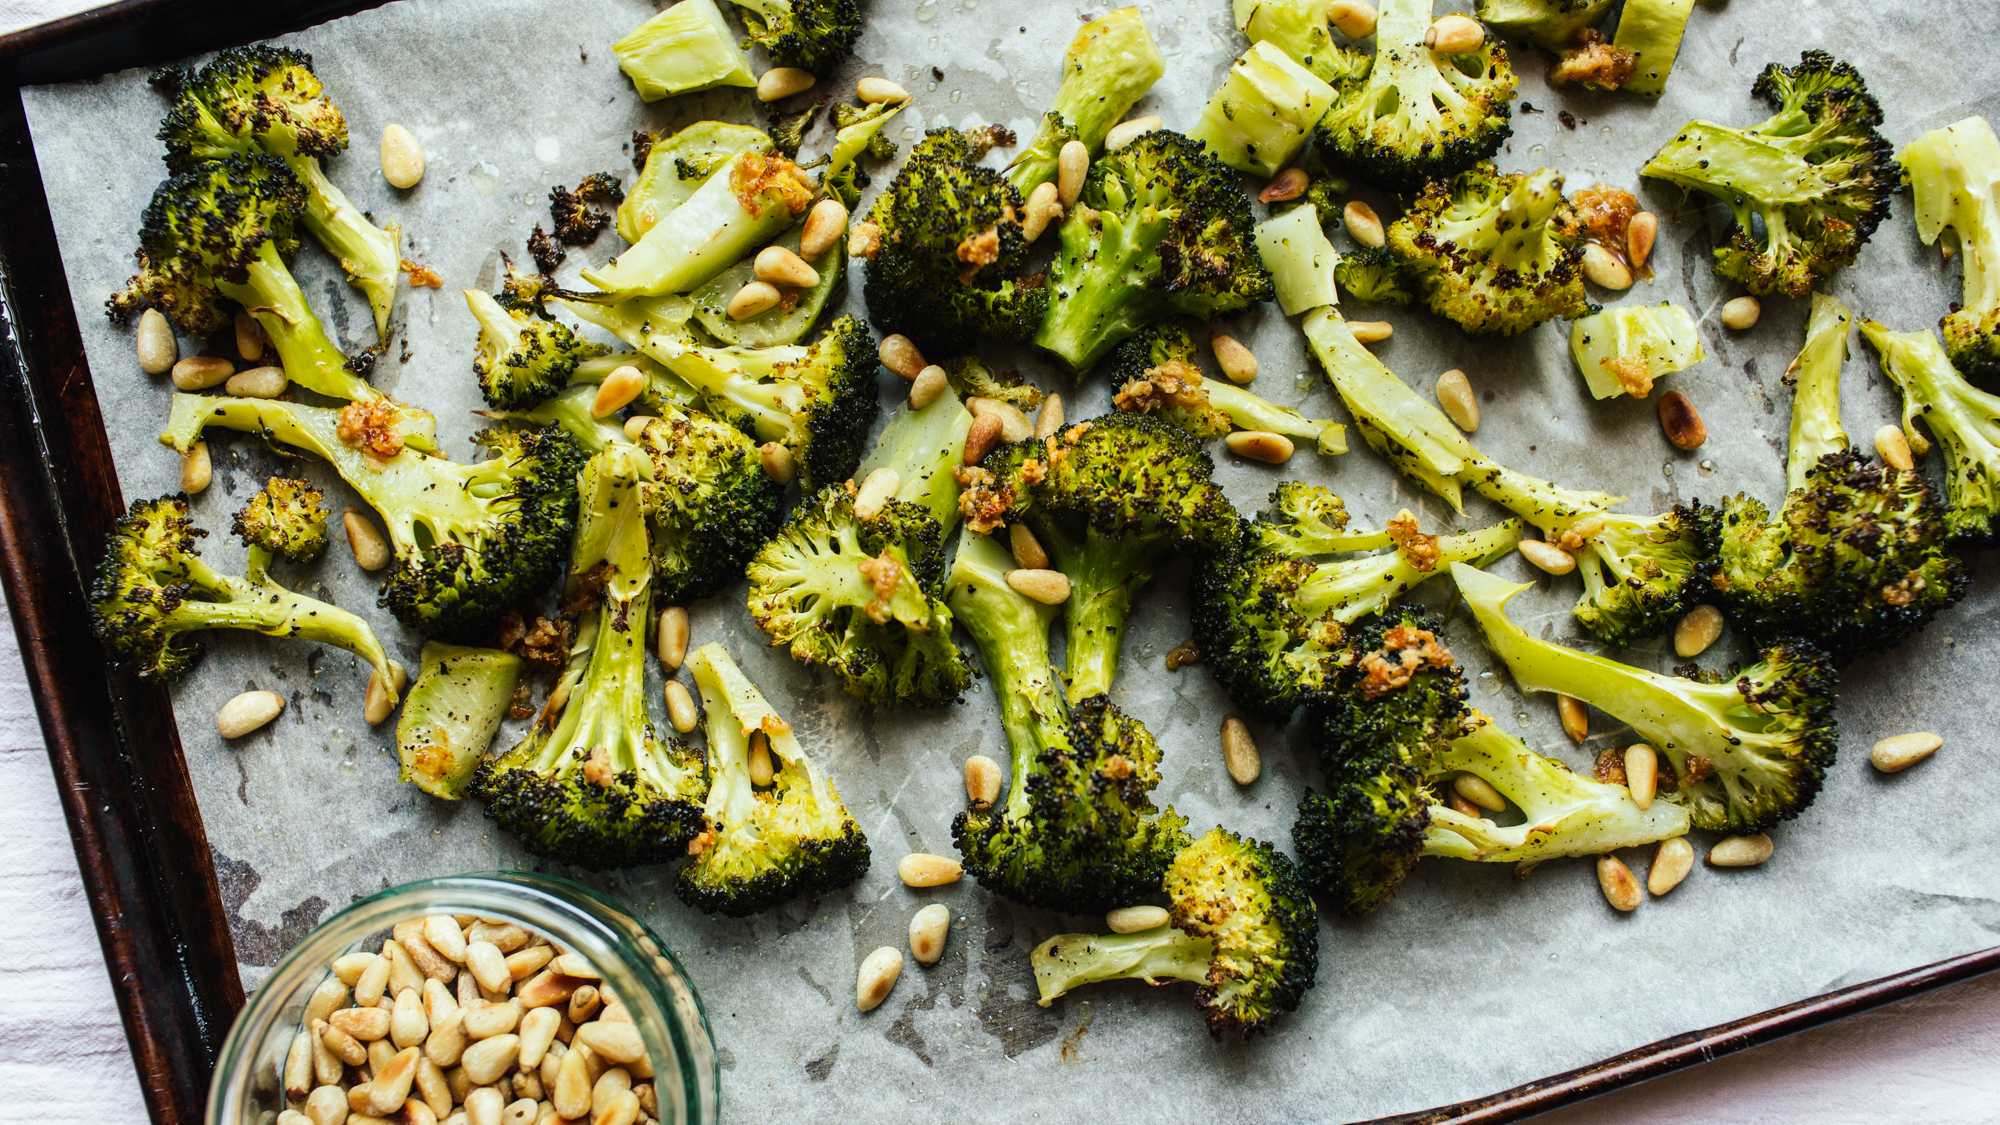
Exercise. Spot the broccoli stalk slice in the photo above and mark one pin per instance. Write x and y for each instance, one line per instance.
(1624, 350)
(1816, 428)
(451, 714)
(1109, 66)
(686, 47)
(924, 447)
(1160, 955)
(1299, 28)
(1954, 173)
(1262, 114)
(1247, 411)
(1963, 419)
(370, 255)
(738, 208)
(676, 166)
(1303, 263)
(1012, 632)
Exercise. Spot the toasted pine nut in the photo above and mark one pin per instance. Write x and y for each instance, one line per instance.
(390, 1086)
(824, 226)
(1696, 631)
(381, 700)
(1740, 851)
(328, 998)
(1236, 361)
(574, 965)
(1049, 587)
(1640, 234)
(1049, 418)
(489, 1020)
(928, 929)
(636, 425)
(673, 644)
(759, 759)
(1260, 445)
(753, 299)
(488, 1059)
(583, 1004)
(1352, 18)
(1620, 887)
(326, 1105)
(680, 707)
(200, 372)
(1072, 164)
(155, 343)
(1454, 394)
(365, 1024)
(507, 936)
(927, 386)
(434, 1090)
(921, 869)
(1741, 313)
(1044, 207)
(1363, 225)
(780, 266)
(1455, 35)
(876, 492)
(247, 712)
(1028, 552)
(1014, 423)
(298, 1067)
(344, 1047)
(621, 1108)
(196, 469)
(875, 91)
(1125, 132)
(402, 157)
(1605, 271)
(618, 390)
(981, 438)
(1684, 427)
(572, 1086)
(1479, 791)
(371, 551)
(488, 966)
(1546, 556)
(258, 382)
(1575, 717)
(1642, 773)
(982, 781)
(1239, 752)
(1134, 919)
(1463, 806)
(1894, 448)
(1672, 861)
(777, 461)
(618, 1042)
(1285, 186)
(1371, 331)
(374, 979)
(879, 971)
(781, 82)
(864, 239)
(249, 337)
(444, 934)
(407, 1023)
(1900, 752)
(901, 356)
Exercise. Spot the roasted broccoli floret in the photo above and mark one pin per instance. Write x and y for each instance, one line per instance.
(969, 377)
(1161, 227)
(470, 540)
(525, 355)
(1954, 172)
(952, 264)
(1747, 753)
(267, 99)
(593, 783)
(1299, 28)
(1496, 254)
(763, 844)
(812, 35)
(1859, 557)
(153, 591)
(1805, 189)
(1243, 928)
(1640, 574)
(1274, 610)
(1156, 372)
(1372, 276)
(1962, 419)
(1109, 66)
(579, 216)
(1418, 114)
(1111, 499)
(1077, 830)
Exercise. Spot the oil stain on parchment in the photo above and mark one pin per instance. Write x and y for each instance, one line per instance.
(256, 943)
(1007, 1007)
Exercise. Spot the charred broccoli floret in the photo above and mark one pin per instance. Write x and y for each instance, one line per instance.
(812, 35)
(525, 355)
(1962, 419)
(1161, 227)
(1109, 66)
(1077, 830)
(1243, 928)
(1954, 173)
(579, 216)
(153, 591)
(593, 783)
(763, 844)
(1805, 188)
(1747, 753)
(1496, 254)
(1372, 276)
(1156, 372)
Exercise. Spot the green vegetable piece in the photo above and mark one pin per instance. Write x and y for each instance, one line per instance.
(1964, 421)
(1260, 116)
(1651, 30)
(779, 325)
(1954, 173)
(1299, 28)
(1623, 350)
(740, 207)
(1109, 66)
(676, 166)
(1295, 249)
(451, 714)
(1549, 23)
(688, 47)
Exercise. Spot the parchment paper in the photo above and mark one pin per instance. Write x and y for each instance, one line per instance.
(1470, 981)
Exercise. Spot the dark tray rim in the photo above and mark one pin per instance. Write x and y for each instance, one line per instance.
(145, 861)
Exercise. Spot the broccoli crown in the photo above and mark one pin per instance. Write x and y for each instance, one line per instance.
(763, 845)
(1954, 174)
(1496, 254)
(1963, 419)
(1156, 372)
(285, 519)
(812, 35)
(593, 783)
(247, 99)
(1417, 114)
(970, 377)
(1640, 574)
(1805, 188)
(1372, 276)
(204, 233)
(951, 268)
(709, 501)
(525, 355)
(1161, 227)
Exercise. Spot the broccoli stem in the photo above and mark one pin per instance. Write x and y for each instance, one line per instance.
(1113, 294)
(1158, 955)
(1962, 418)
(1109, 66)
(1104, 573)
(924, 446)
(1541, 503)
(1816, 428)
(310, 357)
(367, 252)
(571, 411)
(1247, 411)
(257, 603)
(1012, 632)
(1359, 588)
(732, 799)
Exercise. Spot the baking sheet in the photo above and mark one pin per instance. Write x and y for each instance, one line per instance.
(1470, 982)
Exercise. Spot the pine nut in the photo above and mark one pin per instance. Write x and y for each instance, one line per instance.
(1575, 717)
(1028, 552)
(1049, 418)
(200, 372)
(1371, 331)
(1672, 861)
(927, 386)
(1454, 394)
(407, 1023)
(526, 963)
(433, 1088)
(1464, 807)
(371, 551)
(1640, 234)
(1044, 207)
(1072, 164)
(583, 1004)
(1352, 18)
(1363, 224)
(621, 1109)
(921, 869)
(1479, 791)
(1696, 631)
(1741, 313)
(326, 1105)
(488, 966)
(1239, 752)
(1049, 587)
(1684, 427)
(876, 91)
(1740, 851)
(1136, 919)
(1285, 186)
(879, 971)
(617, 391)
(1894, 448)
(674, 636)
(1620, 888)
(403, 972)
(328, 998)
(754, 299)
(572, 1086)
(427, 960)
(981, 438)
(402, 157)
(438, 1001)
(521, 1111)
(781, 82)
(618, 1042)
(155, 343)
(488, 1059)
(1900, 752)
(346, 1048)
(489, 1020)
(1546, 556)
(1125, 132)
(538, 1030)
(298, 1067)
(982, 781)
(680, 707)
(374, 978)
(875, 493)
(1642, 773)
(196, 469)
(247, 712)
(901, 356)
(759, 755)
(928, 929)
(258, 382)
(824, 227)
(249, 337)
(1235, 360)
(1260, 445)
(382, 699)
(390, 1087)
(505, 936)
(780, 266)
(364, 1024)
(1605, 271)
(1014, 422)
(864, 239)
(777, 461)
